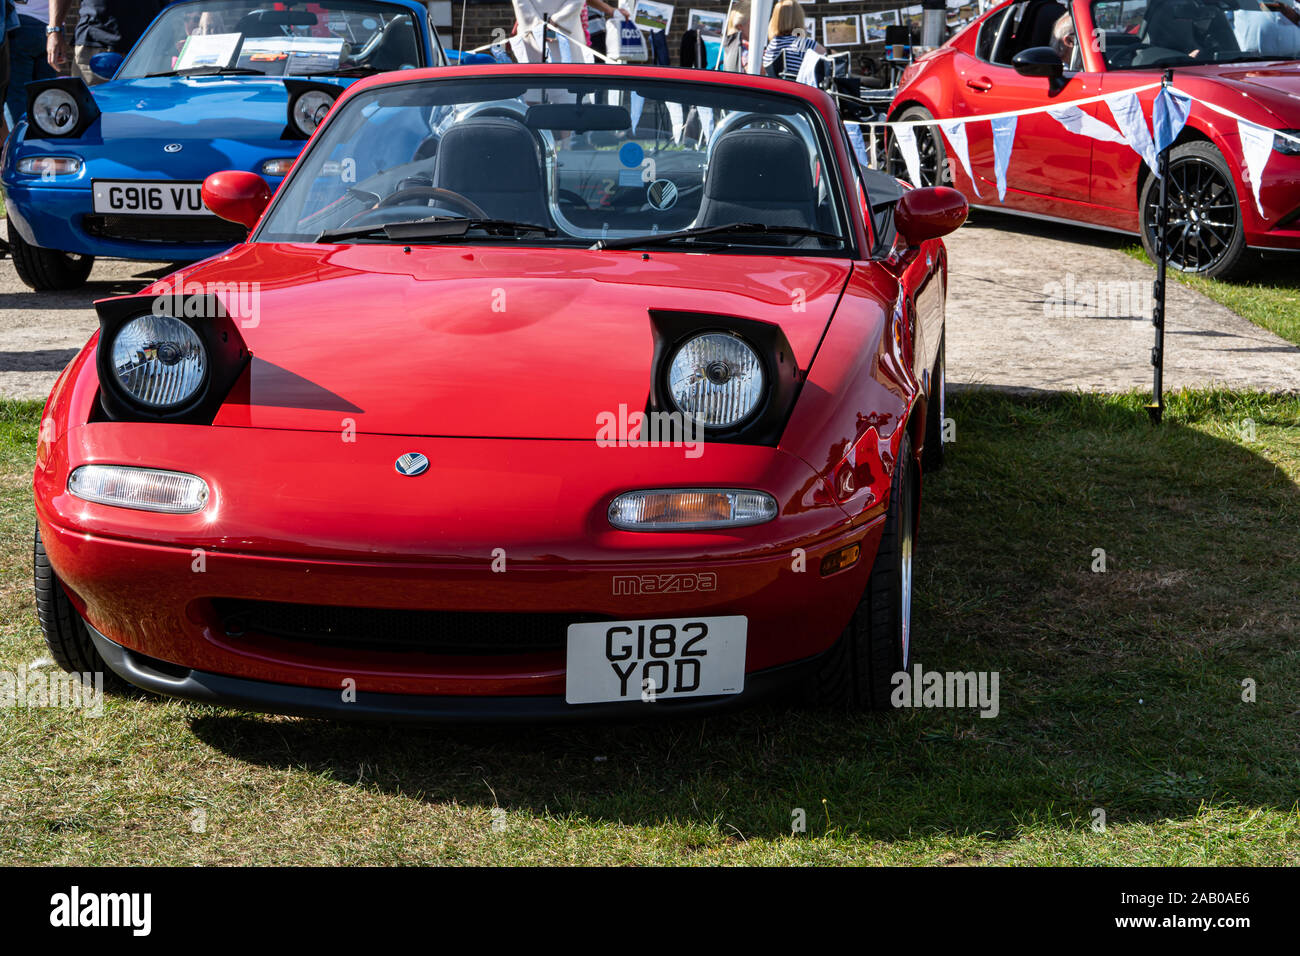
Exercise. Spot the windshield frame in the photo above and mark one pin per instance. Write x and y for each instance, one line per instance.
(1186, 61)
(848, 247)
(421, 23)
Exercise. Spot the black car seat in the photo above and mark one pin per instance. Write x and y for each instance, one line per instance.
(494, 161)
(759, 175)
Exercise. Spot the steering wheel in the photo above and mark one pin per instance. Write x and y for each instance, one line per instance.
(404, 196)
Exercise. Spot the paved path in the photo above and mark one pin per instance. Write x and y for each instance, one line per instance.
(1024, 313)
(1004, 270)
(40, 332)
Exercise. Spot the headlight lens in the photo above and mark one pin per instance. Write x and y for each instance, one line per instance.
(1288, 146)
(690, 510)
(716, 379)
(145, 489)
(49, 165)
(310, 108)
(56, 112)
(159, 360)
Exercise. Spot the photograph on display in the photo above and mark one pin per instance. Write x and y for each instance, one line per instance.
(840, 31)
(709, 23)
(873, 25)
(652, 15)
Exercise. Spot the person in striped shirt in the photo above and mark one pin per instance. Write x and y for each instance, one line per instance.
(787, 33)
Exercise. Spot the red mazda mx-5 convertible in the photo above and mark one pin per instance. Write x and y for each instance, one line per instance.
(1239, 55)
(536, 391)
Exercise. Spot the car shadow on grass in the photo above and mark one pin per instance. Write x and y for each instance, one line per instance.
(1119, 689)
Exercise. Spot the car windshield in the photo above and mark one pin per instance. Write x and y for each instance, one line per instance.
(285, 38)
(582, 159)
(1161, 33)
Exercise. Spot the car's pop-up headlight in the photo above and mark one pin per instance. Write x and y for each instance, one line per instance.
(62, 107)
(732, 378)
(167, 358)
(309, 101)
(159, 361)
(55, 111)
(716, 379)
(694, 509)
(145, 489)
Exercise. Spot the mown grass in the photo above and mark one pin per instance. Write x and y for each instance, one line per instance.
(1268, 295)
(1120, 691)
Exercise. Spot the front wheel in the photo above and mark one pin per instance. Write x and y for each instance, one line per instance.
(929, 148)
(1206, 234)
(65, 633)
(47, 270)
(858, 671)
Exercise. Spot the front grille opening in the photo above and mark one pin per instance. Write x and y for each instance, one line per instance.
(448, 633)
(175, 230)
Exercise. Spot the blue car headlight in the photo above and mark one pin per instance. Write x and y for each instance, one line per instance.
(56, 112)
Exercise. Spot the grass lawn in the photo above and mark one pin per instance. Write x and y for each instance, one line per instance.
(1120, 691)
(1269, 295)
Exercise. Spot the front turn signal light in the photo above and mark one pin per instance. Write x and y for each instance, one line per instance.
(695, 509)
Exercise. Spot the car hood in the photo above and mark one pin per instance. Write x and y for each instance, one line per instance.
(480, 341)
(200, 108)
(1274, 86)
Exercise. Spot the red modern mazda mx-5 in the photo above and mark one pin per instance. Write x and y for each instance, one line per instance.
(1239, 55)
(536, 391)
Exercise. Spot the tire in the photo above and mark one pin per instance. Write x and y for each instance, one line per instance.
(1206, 234)
(47, 270)
(929, 145)
(857, 672)
(933, 454)
(65, 633)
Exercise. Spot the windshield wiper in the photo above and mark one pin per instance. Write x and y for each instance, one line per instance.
(209, 71)
(731, 229)
(435, 227)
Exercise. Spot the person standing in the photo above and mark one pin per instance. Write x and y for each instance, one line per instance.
(27, 55)
(787, 32)
(734, 52)
(105, 26)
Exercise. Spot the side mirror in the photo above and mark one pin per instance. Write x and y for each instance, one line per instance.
(929, 213)
(237, 195)
(1041, 61)
(105, 65)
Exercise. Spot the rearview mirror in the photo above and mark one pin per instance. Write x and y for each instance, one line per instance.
(929, 213)
(237, 195)
(579, 117)
(1041, 61)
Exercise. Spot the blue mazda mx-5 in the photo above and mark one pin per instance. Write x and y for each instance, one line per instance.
(116, 169)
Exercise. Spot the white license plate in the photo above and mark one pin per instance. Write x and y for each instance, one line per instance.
(655, 659)
(124, 198)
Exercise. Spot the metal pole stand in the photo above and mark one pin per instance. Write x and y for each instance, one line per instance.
(1157, 407)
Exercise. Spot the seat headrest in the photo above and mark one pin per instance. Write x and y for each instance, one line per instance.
(491, 151)
(759, 165)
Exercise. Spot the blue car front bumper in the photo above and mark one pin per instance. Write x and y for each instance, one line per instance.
(63, 218)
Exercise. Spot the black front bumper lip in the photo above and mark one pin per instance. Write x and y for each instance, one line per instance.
(240, 692)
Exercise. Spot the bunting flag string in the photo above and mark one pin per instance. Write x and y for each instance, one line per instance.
(1170, 109)
(955, 134)
(1004, 134)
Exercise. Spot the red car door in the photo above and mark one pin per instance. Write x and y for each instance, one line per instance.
(1050, 168)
